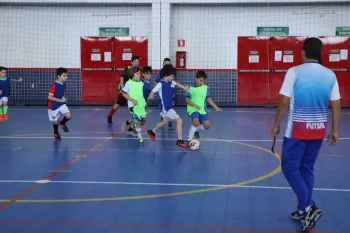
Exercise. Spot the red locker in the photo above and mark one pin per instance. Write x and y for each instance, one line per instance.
(103, 60)
(285, 52)
(253, 68)
(98, 82)
(335, 56)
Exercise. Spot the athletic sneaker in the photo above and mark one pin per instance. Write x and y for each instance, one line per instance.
(132, 132)
(141, 142)
(196, 135)
(2, 117)
(57, 136)
(152, 135)
(181, 143)
(64, 127)
(310, 218)
(296, 215)
(6, 117)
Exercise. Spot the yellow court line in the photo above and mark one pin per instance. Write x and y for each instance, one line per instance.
(263, 177)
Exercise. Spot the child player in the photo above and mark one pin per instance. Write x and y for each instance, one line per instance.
(56, 103)
(132, 91)
(120, 101)
(197, 107)
(4, 92)
(147, 86)
(165, 89)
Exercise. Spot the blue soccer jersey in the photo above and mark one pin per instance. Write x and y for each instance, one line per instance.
(57, 90)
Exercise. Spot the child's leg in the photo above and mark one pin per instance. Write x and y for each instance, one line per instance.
(1, 112)
(67, 116)
(55, 127)
(205, 123)
(5, 107)
(161, 124)
(138, 129)
(113, 110)
(195, 123)
(179, 127)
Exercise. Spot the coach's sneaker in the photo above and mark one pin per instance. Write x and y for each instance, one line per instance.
(296, 215)
(310, 218)
(64, 127)
(181, 143)
(6, 117)
(57, 136)
(152, 135)
(2, 117)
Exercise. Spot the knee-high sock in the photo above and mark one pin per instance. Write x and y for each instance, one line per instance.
(191, 133)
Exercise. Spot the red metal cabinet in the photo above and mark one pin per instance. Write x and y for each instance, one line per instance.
(103, 60)
(335, 55)
(253, 68)
(285, 52)
(98, 83)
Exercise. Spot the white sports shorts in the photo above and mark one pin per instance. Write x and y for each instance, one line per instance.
(54, 115)
(170, 114)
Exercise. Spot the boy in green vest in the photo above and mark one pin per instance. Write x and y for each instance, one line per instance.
(132, 91)
(197, 106)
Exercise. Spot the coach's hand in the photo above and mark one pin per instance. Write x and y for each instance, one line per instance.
(275, 130)
(64, 99)
(333, 138)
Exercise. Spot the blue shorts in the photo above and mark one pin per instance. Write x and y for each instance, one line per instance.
(201, 117)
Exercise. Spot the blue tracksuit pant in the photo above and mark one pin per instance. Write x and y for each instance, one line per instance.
(298, 161)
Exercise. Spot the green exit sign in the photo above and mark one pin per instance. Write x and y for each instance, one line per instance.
(342, 31)
(272, 31)
(119, 31)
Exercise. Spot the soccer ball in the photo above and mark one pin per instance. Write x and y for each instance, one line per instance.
(194, 144)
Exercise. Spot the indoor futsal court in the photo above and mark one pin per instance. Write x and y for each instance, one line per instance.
(96, 180)
(85, 84)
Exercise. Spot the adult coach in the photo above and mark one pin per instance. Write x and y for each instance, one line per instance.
(306, 90)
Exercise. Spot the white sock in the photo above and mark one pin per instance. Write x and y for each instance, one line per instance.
(191, 133)
(154, 130)
(200, 127)
(138, 131)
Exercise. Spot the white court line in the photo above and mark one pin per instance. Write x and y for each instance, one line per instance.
(133, 138)
(170, 184)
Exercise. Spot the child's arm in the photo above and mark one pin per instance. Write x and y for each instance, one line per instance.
(154, 90)
(189, 102)
(185, 88)
(50, 97)
(17, 80)
(211, 102)
(125, 94)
